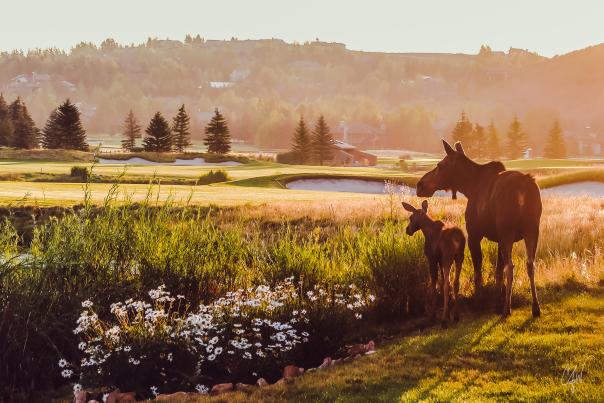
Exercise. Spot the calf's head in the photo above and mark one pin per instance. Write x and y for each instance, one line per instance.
(444, 176)
(418, 217)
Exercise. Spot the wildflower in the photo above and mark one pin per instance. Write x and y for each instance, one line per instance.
(202, 389)
(218, 351)
(170, 357)
(358, 315)
(87, 304)
(154, 390)
(211, 357)
(62, 363)
(77, 387)
(127, 349)
(66, 373)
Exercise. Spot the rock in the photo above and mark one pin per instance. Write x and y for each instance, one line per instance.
(370, 352)
(221, 388)
(244, 387)
(261, 382)
(80, 396)
(361, 348)
(93, 401)
(309, 370)
(291, 371)
(176, 397)
(327, 362)
(117, 397)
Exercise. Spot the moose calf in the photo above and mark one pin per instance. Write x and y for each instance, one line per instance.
(444, 245)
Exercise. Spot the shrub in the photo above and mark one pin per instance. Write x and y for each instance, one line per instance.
(213, 177)
(289, 157)
(159, 345)
(81, 173)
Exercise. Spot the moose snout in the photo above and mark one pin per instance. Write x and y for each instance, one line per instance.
(409, 231)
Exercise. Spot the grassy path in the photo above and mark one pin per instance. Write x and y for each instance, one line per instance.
(558, 357)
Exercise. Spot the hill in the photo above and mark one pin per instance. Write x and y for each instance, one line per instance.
(404, 100)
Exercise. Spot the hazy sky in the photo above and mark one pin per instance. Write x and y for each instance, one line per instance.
(548, 27)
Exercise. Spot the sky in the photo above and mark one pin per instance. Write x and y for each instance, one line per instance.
(453, 26)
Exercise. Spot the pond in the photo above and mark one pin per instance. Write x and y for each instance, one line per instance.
(353, 186)
(592, 189)
(192, 162)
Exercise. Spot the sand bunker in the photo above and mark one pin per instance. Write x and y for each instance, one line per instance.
(192, 162)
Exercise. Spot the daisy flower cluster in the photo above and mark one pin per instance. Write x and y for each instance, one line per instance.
(162, 344)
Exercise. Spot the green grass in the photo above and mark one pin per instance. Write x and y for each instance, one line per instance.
(595, 175)
(557, 357)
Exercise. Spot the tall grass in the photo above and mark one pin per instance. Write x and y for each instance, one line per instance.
(121, 251)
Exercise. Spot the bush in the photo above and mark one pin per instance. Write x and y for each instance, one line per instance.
(213, 177)
(289, 157)
(158, 345)
(81, 173)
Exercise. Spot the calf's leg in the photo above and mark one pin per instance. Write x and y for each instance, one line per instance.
(458, 264)
(499, 284)
(509, 276)
(446, 270)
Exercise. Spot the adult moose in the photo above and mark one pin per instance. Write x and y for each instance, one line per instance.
(503, 206)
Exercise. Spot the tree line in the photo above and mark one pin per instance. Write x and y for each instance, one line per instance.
(163, 137)
(484, 143)
(310, 147)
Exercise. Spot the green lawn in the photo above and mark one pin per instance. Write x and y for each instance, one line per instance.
(558, 357)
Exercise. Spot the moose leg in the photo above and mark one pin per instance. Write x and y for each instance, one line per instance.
(531, 250)
(458, 264)
(446, 267)
(499, 284)
(476, 253)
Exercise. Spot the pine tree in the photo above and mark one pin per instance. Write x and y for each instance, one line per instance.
(159, 136)
(52, 138)
(302, 145)
(517, 141)
(322, 142)
(6, 125)
(217, 138)
(462, 132)
(492, 149)
(26, 134)
(132, 131)
(181, 130)
(555, 148)
(479, 142)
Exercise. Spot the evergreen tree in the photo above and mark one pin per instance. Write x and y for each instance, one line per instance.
(462, 132)
(302, 145)
(181, 130)
(51, 134)
(69, 127)
(555, 148)
(492, 149)
(159, 136)
(25, 133)
(478, 142)
(6, 125)
(217, 138)
(322, 143)
(517, 141)
(132, 131)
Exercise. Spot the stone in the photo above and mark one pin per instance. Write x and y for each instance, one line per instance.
(93, 401)
(117, 397)
(370, 352)
(261, 382)
(327, 362)
(221, 388)
(244, 387)
(176, 397)
(291, 371)
(361, 348)
(309, 370)
(80, 396)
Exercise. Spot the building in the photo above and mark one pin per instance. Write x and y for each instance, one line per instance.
(348, 155)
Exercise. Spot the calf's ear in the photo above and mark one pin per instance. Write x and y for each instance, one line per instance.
(409, 207)
(459, 148)
(448, 149)
(425, 206)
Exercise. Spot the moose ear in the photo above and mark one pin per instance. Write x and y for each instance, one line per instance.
(448, 149)
(425, 206)
(409, 207)
(459, 148)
